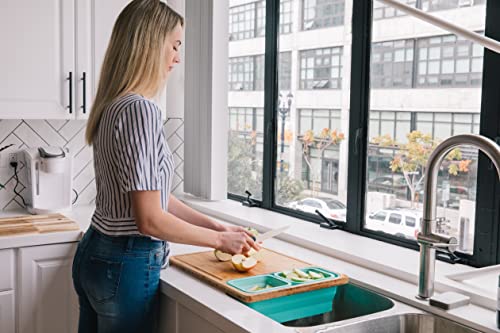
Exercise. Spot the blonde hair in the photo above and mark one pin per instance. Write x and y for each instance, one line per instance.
(133, 60)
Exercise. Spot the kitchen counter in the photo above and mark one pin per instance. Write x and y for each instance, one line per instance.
(229, 315)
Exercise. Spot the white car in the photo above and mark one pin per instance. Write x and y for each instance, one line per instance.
(329, 207)
(398, 222)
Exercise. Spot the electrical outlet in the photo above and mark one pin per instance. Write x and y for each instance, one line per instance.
(12, 158)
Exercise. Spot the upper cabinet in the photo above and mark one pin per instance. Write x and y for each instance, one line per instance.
(52, 51)
(37, 62)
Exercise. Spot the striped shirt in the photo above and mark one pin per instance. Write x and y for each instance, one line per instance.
(130, 154)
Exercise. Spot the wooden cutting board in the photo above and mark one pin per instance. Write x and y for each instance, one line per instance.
(36, 224)
(205, 266)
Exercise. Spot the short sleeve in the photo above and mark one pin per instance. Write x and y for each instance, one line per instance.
(137, 135)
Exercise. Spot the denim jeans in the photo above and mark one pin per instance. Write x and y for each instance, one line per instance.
(117, 282)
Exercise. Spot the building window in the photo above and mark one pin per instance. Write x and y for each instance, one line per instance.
(392, 64)
(242, 22)
(242, 71)
(395, 124)
(433, 5)
(318, 119)
(322, 14)
(382, 11)
(321, 68)
(242, 119)
(442, 125)
(448, 61)
(249, 20)
(285, 71)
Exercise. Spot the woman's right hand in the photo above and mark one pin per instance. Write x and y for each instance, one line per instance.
(236, 242)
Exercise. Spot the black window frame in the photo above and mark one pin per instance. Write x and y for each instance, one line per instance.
(487, 230)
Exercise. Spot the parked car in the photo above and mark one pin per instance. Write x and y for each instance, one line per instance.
(329, 207)
(398, 222)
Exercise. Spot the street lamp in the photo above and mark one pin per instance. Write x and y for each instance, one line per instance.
(283, 108)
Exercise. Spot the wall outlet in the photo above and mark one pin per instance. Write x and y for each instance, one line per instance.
(12, 158)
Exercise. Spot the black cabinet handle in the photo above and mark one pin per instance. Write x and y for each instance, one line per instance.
(70, 79)
(84, 92)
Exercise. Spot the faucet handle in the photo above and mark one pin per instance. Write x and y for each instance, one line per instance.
(438, 241)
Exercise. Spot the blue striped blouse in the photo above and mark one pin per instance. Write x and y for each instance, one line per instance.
(130, 154)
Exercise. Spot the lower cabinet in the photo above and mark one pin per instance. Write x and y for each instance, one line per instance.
(7, 317)
(47, 300)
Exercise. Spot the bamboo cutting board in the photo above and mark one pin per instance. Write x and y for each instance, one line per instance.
(36, 224)
(205, 266)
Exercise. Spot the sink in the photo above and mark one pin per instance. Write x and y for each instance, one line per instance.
(350, 301)
(404, 323)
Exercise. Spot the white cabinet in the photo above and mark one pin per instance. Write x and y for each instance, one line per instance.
(52, 51)
(37, 58)
(47, 302)
(7, 317)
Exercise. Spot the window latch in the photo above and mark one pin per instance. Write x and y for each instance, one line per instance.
(329, 223)
(249, 202)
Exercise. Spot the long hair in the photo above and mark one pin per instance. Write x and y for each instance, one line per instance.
(134, 57)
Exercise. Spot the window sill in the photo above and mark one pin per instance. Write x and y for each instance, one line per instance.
(361, 251)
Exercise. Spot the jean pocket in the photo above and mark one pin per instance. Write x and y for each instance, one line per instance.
(156, 259)
(103, 278)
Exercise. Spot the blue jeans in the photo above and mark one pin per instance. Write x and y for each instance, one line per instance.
(117, 282)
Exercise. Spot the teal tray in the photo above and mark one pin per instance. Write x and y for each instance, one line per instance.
(291, 307)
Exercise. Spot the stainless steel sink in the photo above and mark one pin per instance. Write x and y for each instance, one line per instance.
(359, 310)
(350, 301)
(405, 323)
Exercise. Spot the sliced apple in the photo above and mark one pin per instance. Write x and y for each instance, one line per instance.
(243, 263)
(248, 263)
(315, 275)
(253, 253)
(300, 273)
(222, 256)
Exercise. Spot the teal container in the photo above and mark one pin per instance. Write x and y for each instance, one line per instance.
(291, 307)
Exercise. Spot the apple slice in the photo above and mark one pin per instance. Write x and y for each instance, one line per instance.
(243, 263)
(222, 256)
(248, 263)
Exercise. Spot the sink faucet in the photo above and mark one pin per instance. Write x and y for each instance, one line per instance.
(428, 240)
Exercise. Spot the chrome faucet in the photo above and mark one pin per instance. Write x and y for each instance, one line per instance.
(427, 238)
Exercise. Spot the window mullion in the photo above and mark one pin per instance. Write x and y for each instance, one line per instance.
(270, 102)
(486, 242)
(358, 115)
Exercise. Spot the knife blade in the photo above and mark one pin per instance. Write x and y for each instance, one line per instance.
(271, 233)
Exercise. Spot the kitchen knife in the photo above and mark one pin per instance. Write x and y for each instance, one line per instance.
(271, 233)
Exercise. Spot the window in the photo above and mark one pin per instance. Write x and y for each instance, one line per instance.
(392, 64)
(395, 218)
(318, 119)
(324, 130)
(249, 20)
(410, 221)
(448, 61)
(241, 73)
(242, 22)
(432, 5)
(321, 68)
(322, 14)
(380, 216)
(382, 11)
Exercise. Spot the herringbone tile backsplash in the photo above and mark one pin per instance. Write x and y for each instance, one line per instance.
(70, 134)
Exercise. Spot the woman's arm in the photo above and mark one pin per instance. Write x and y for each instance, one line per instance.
(188, 214)
(153, 221)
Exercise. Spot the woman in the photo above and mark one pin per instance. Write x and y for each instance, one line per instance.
(116, 269)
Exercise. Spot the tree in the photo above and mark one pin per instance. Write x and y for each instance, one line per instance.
(245, 170)
(411, 158)
(322, 141)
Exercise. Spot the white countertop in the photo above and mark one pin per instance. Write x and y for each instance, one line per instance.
(381, 267)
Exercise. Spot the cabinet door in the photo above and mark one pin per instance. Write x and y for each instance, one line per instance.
(37, 58)
(95, 24)
(47, 300)
(7, 317)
